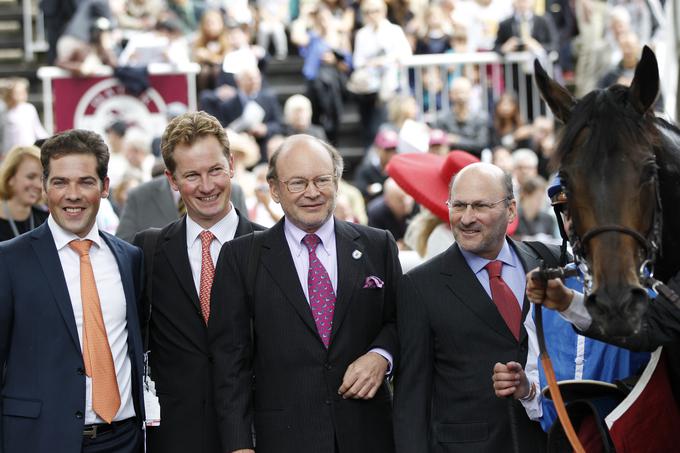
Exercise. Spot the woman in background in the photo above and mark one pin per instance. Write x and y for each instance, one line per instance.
(20, 192)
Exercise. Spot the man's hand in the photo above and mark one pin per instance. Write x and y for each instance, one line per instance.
(510, 380)
(364, 377)
(554, 295)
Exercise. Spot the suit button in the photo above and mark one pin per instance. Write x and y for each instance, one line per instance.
(80, 371)
(328, 402)
(328, 366)
(79, 415)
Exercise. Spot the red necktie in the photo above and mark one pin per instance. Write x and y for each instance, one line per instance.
(321, 295)
(503, 297)
(207, 273)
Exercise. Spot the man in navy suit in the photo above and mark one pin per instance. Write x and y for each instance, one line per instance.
(69, 330)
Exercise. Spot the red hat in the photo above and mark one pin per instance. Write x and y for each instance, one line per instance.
(426, 177)
(386, 139)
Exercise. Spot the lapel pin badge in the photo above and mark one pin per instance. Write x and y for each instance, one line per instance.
(356, 254)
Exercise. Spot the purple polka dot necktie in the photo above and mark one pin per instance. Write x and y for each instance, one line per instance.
(321, 294)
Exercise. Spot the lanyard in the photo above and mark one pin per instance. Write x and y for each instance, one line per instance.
(12, 224)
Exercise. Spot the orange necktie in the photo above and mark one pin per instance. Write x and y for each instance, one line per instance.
(207, 274)
(96, 350)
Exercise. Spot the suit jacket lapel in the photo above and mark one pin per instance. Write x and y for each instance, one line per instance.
(244, 226)
(464, 284)
(529, 262)
(175, 248)
(276, 258)
(349, 270)
(48, 257)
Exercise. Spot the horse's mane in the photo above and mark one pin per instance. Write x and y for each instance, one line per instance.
(611, 121)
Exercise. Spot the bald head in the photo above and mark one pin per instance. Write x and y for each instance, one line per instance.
(483, 171)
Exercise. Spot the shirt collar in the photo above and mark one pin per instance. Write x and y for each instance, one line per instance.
(477, 263)
(63, 237)
(326, 233)
(224, 230)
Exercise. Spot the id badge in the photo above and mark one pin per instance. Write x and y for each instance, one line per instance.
(152, 406)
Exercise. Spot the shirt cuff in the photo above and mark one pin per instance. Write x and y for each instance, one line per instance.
(576, 313)
(387, 357)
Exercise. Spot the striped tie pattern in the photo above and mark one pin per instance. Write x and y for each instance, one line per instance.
(96, 350)
(321, 294)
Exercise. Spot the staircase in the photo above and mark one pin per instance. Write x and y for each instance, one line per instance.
(15, 61)
(285, 78)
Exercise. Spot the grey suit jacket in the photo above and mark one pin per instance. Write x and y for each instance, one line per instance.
(151, 205)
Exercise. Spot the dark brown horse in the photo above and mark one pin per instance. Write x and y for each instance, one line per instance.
(621, 167)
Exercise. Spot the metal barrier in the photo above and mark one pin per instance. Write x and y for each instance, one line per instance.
(493, 72)
(37, 43)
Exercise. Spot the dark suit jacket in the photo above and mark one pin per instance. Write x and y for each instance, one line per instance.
(180, 359)
(451, 336)
(542, 30)
(295, 404)
(43, 388)
(232, 108)
(151, 205)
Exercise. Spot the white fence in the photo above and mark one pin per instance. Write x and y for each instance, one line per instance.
(494, 73)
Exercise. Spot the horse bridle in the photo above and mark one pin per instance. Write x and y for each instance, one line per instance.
(651, 244)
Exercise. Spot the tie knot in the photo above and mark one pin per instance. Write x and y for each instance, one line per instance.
(494, 268)
(206, 237)
(82, 248)
(311, 241)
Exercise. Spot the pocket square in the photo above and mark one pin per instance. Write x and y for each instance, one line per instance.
(373, 282)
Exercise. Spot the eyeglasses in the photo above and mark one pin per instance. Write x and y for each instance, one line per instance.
(479, 207)
(297, 185)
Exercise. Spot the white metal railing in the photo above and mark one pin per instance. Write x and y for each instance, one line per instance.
(493, 72)
(37, 43)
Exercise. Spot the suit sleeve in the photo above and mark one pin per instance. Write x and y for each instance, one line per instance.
(387, 338)
(6, 321)
(231, 347)
(413, 380)
(127, 227)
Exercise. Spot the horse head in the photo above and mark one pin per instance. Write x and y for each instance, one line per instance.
(606, 156)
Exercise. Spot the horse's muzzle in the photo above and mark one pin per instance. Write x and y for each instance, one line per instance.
(617, 312)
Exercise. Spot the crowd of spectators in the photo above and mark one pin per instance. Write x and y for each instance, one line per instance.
(351, 52)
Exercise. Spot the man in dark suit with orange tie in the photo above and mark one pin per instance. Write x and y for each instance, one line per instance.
(303, 344)
(70, 344)
(199, 166)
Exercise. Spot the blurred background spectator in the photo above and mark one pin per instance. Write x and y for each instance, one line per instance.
(209, 48)
(391, 210)
(297, 118)
(21, 192)
(371, 175)
(535, 221)
(21, 125)
(271, 29)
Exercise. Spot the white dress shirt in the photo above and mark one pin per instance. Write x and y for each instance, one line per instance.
(114, 310)
(224, 231)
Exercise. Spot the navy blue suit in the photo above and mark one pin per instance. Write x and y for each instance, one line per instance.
(43, 387)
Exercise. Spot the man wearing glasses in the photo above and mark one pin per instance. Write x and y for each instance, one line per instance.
(302, 326)
(460, 313)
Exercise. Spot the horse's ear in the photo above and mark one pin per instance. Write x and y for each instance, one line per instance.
(645, 86)
(559, 99)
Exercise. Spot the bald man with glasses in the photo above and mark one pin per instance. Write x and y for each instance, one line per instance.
(458, 314)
